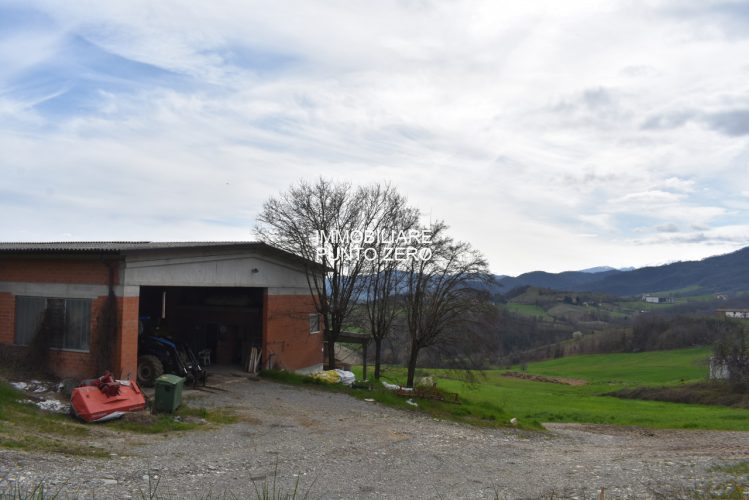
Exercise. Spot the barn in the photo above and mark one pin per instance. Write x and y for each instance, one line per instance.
(223, 298)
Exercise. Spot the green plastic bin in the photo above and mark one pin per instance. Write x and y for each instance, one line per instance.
(168, 394)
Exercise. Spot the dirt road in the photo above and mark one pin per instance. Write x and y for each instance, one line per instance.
(340, 447)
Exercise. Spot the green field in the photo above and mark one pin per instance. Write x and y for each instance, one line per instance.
(528, 310)
(533, 403)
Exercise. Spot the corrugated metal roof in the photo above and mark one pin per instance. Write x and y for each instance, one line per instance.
(123, 247)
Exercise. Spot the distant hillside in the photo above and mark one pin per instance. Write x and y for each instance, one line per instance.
(722, 273)
(568, 281)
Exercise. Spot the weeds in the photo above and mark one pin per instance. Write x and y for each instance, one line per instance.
(737, 469)
(39, 491)
(273, 491)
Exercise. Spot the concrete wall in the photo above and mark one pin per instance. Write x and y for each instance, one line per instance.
(214, 268)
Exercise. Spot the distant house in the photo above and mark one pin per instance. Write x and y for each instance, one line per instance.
(733, 313)
(718, 369)
(221, 297)
(652, 299)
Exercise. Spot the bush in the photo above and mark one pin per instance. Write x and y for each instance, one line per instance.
(732, 349)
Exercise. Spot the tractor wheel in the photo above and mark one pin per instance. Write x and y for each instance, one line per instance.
(149, 369)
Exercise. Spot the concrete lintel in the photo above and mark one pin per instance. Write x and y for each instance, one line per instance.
(288, 291)
(66, 290)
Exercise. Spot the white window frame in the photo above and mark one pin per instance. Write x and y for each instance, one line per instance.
(311, 316)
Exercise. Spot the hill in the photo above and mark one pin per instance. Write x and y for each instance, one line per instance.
(727, 273)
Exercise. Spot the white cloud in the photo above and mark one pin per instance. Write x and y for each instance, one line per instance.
(521, 124)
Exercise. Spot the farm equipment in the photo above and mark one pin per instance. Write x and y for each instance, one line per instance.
(159, 355)
(104, 398)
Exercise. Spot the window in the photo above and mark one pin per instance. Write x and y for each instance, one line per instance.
(29, 314)
(69, 321)
(314, 323)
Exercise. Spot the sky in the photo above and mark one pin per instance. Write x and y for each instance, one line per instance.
(550, 135)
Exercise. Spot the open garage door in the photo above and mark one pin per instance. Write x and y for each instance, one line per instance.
(225, 322)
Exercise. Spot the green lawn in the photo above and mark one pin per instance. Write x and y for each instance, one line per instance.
(644, 368)
(533, 403)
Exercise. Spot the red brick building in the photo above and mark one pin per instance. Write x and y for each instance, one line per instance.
(225, 297)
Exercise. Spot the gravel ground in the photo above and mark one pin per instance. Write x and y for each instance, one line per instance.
(336, 446)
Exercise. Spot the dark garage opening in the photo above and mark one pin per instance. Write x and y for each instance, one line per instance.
(226, 321)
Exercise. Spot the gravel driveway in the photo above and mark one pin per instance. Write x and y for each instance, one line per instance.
(340, 447)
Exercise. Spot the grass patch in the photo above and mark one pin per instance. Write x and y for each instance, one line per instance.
(528, 310)
(23, 426)
(532, 402)
(647, 368)
(186, 418)
(487, 398)
(481, 413)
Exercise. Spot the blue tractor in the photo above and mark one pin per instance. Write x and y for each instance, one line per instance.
(158, 355)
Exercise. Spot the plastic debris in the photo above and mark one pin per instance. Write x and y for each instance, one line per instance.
(328, 376)
(412, 402)
(390, 387)
(347, 378)
(53, 405)
(336, 376)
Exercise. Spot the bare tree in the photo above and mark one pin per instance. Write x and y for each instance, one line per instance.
(385, 277)
(316, 222)
(441, 292)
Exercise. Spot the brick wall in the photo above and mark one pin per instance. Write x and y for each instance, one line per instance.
(286, 332)
(127, 345)
(28, 270)
(72, 364)
(91, 272)
(7, 318)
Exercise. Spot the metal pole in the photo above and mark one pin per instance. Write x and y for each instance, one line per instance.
(365, 360)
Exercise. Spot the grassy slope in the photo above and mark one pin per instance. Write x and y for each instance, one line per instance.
(24, 426)
(535, 402)
(528, 310)
(653, 367)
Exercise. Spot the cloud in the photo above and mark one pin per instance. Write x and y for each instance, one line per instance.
(519, 124)
(669, 120)
(733, 236)
(730, 18)
(650, 198)
(733, 123)
(677, 184)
